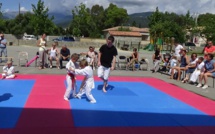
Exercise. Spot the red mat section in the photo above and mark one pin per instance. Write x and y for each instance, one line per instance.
(47, 113)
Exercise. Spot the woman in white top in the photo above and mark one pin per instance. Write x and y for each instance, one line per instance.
(91, 57)
(42, 51)
(54, 55)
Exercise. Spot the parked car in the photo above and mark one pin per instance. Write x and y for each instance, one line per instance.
(190, 46)
(64, 38)
(29, 37)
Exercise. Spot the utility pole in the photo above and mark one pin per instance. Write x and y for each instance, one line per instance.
(19, 8)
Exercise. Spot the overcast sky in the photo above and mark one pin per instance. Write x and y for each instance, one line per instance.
(132, 6)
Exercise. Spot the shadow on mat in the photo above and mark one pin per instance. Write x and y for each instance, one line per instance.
(5, 97)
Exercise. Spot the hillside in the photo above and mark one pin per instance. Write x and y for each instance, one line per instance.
(63, 20)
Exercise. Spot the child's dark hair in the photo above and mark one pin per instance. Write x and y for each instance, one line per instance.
(201, 58)
(83, 63)
(75, 56)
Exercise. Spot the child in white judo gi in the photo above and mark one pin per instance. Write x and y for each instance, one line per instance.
(88, 82)
(199, 69)
(70, 77)
(8, 71)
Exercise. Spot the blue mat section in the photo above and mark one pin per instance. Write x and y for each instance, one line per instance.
(13, 96)
(135, 104)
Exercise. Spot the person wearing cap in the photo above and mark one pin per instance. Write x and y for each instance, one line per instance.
(54, 55)
(8, 71)
(3, 46)
(106, 61)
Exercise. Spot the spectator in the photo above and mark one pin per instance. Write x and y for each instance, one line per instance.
(133, 59)
(91, 57)
(42, 51)
(64, 55)
(199, 69)
(8, 71)
(156, 60)
(209, 71)
(172, 63)
(178, 48)
(190, 68)
(209, 49)
(183, 63)
(3, 46)
(54, 55)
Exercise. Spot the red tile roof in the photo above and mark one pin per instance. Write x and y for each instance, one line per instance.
(125, 33)
(133, 29)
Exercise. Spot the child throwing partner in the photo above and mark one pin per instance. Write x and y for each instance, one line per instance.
(88, 82)
(70, 77)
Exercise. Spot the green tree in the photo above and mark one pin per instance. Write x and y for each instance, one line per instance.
(41, 21)
(115, 16)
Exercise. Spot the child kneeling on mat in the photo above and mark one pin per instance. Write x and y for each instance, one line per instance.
(88, 82)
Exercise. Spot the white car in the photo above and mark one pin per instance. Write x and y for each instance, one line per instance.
(29, 37)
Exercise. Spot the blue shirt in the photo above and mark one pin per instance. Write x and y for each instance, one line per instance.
(2, 45)
(209, 65)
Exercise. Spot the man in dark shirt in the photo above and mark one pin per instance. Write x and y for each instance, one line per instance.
(64, 55)
(106, 60)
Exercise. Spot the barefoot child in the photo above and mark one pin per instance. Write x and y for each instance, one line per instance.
(88, 82)
(70, 77)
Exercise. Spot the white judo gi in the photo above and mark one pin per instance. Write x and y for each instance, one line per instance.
(8, 72)
(87, 83)
(70, 80)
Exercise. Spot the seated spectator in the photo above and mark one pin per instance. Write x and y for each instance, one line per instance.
(190, 68)
(54, 55)
(209, 49)
(199, 69)
(172, 63)
(209, 71)
(133, 60)
(156, 60)
(183, 63)
(8, 71)
(91, 57)
(64, 55)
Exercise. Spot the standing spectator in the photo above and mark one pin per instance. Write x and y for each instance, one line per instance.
(8, 71)
(64, 55)
(3, 46)
(209, 49)
(178, 48)
(42, 51)
(54, 55)
(156, 60)
(209, 71)
(133, 59)
(106, 61)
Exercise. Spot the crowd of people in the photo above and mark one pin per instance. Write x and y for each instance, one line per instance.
(194, 67)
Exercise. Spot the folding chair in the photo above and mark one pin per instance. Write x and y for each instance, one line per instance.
(122, 62)
(23, 56)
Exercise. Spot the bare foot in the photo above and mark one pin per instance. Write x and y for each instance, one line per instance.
(104, 90)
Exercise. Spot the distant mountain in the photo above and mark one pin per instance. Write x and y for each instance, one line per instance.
(140, 19)
(63, 19)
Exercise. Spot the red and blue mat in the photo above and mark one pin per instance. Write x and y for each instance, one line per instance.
(34, 104)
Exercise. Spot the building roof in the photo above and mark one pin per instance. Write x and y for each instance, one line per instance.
(125, 33)
(132, 29)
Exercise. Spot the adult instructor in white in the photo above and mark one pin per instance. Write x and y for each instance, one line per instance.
(106, 60)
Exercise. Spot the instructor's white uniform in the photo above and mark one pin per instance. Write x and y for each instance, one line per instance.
(70, 80)
(88, 82)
